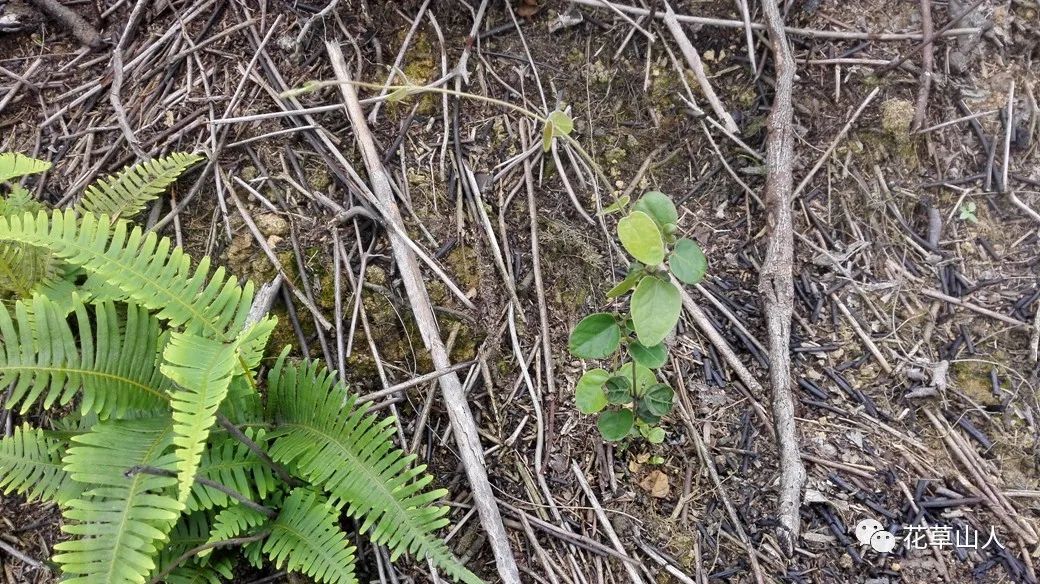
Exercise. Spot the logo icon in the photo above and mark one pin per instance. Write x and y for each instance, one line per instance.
(870, 532)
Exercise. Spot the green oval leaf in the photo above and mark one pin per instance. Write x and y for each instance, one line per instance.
(615, 425)
(619, 390)
(659, 207)
(655, 310)
(547, 136)
(588, 394)
(652, 357)
(687, 262)
(658, 399)
(641, 238)
(595, 337)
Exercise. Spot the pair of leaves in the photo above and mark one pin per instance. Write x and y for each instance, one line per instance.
(557, 123)
(655, 308)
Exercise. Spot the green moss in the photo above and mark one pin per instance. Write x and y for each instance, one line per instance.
(972, 378)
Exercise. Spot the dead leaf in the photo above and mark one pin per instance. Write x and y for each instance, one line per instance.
(656, 483)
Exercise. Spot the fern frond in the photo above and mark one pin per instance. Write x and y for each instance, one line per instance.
(306, 538)
(242, 404)
(126, 193)
(14, 165)
(30, 463)
(235, 521)
(24, 268)
(121, 520)
(232, 464)
(332, 442)
(113, 360)
(148, 269)
(18, 202)
(202, 370)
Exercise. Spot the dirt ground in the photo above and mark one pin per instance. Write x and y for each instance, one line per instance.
(916, 257)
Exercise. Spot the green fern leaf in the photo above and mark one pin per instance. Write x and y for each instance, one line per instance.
(18, 202)
(30, 463)
(202, 370)
(13, 165)
(235, 521)
(148, 269)
(232, 464)
(120, 521)
(126, 193)
(24, 268)
(114, 359)
(332, 442)
(306, 538)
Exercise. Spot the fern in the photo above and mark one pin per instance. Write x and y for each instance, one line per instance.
(143, 266)
(202, 369)
(153, 348)
(17, 165)
(334, 443)
(116, 366)
(126, 193)
(30, 464)
(232, 464)
(234, 521)
(306, 537)
(121, 520)
(24, 268)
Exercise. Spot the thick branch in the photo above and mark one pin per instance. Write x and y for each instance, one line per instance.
(775, 278)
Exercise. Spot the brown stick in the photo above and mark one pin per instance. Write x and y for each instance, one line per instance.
(927, 65)
(462, 423)
(776, 282)
(80, 28)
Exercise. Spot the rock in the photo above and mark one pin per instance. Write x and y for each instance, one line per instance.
(270, 224)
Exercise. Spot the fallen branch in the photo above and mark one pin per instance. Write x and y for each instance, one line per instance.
(776, 282)
(462, 424)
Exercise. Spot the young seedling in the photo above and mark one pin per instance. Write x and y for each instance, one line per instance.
(629, 400)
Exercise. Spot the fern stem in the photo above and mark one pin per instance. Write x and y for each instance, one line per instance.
(237, 434)
(208, 546)
(162, 472)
